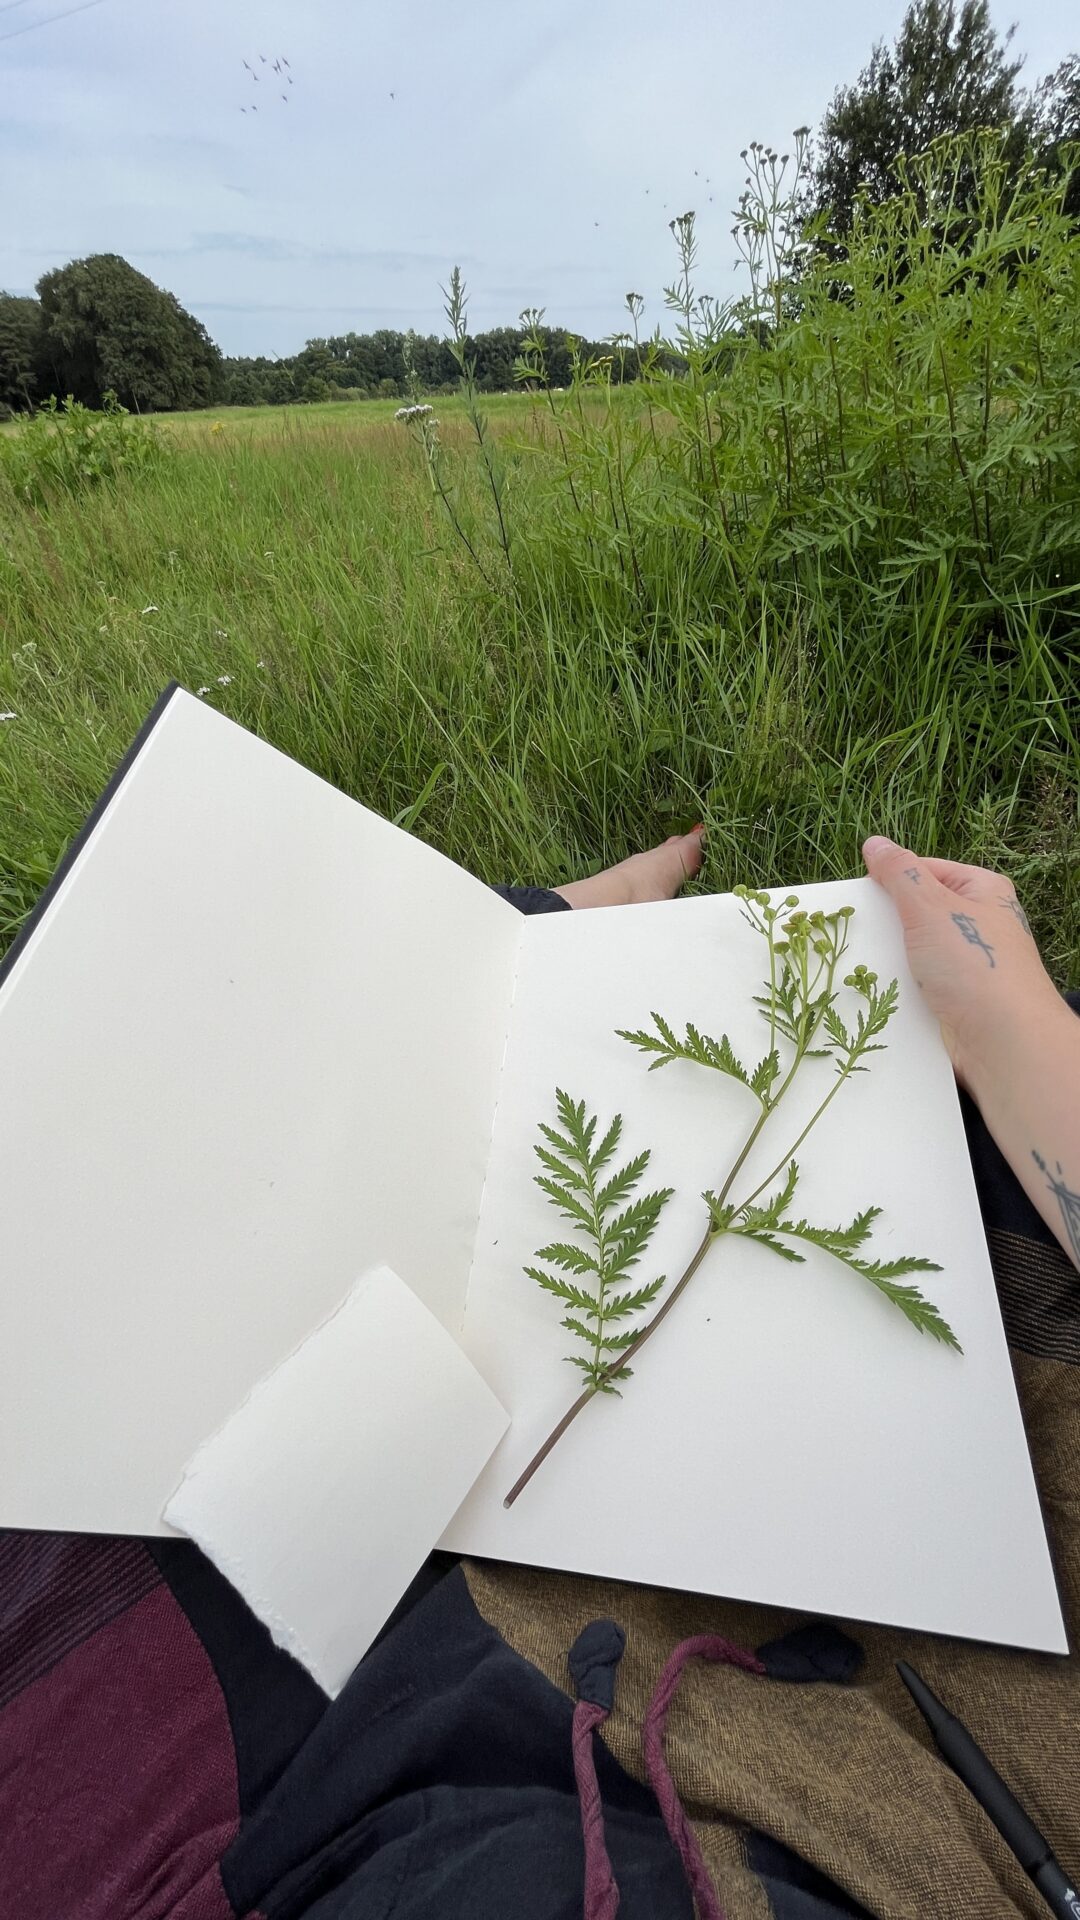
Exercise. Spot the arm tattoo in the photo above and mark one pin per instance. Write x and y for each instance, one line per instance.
(1067, 1200)
(1012, 905)
(971, 933)
(912, 874)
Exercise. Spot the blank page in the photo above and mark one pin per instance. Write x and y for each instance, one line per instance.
(250, 1049)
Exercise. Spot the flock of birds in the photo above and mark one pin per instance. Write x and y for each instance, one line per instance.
(280, 67)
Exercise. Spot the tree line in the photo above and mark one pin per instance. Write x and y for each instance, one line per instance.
(98, 326)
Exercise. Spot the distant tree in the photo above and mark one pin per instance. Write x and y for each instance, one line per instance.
(107, 327)
(949, 71)
(20, 350)
(1054, 123)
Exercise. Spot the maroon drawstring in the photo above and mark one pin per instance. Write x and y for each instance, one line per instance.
(594, 1657)
(703, 1646)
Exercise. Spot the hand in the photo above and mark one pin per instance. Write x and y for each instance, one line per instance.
(971, 950)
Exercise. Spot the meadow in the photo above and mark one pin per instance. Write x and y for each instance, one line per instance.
(822, 581)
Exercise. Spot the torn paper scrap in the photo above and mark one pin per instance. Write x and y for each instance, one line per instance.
(322, 1495)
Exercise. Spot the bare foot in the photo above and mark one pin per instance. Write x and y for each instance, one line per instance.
(655, 875)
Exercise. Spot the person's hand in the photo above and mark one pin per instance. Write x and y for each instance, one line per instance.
(971, 951)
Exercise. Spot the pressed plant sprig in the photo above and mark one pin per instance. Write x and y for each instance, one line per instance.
(800, 1003)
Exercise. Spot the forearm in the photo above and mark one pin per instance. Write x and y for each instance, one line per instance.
(1026, 1084)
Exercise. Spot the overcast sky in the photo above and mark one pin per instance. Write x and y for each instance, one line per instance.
(542, 149)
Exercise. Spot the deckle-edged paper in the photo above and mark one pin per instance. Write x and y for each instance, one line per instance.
(320, 1497)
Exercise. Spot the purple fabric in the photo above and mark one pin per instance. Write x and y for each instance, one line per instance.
(55, 1590)
(703, 1646)
(117, 1772)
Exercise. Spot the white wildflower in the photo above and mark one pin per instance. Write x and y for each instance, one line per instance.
(222, 633)
(8, 716)
(408, 414)
(202, 692)
(260, 663)
(151, 608)
(224, 679)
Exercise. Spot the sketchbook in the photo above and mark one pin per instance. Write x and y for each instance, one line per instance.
(256, 1043)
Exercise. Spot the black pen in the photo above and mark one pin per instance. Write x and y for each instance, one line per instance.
(989, 1789)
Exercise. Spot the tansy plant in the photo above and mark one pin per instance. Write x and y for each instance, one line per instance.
(594, 1274)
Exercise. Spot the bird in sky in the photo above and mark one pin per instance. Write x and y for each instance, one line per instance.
(262, 57)
(290, 79)
(250, 69)
(393, 96)
(284, 62)
(277, 66)
(285, 97)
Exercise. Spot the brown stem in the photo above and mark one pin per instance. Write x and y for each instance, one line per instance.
(616, 1366)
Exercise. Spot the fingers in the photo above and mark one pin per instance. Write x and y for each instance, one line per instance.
(909, 881)
(893, 865)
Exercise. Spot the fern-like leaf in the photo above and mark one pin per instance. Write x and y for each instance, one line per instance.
(613, 1226)
(842, 1243)
(698, 1047)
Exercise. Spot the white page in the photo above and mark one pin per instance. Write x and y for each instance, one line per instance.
(251, 1048)
(788, 1437)
(319, 1499)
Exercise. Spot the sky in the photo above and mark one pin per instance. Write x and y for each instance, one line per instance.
(543, 151)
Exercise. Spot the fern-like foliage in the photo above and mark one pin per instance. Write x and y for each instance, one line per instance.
(769, 1225)
(591, 1274)
(703, 1050)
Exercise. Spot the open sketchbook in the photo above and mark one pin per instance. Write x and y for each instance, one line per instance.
(256, 1041)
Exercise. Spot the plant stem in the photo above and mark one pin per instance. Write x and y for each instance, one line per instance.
(615, 1366)
(828, 966)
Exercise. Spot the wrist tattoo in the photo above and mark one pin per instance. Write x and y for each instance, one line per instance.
(1068, 1201)
(971, 933)
(912, 874)
(1012, 905)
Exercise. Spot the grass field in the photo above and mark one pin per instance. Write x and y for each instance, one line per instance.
(827, 590)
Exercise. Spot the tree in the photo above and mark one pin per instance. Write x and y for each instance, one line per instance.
(1054, 123)
(20, 348)
(948, 72)
(106, 327)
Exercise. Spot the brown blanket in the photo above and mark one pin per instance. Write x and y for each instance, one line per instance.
(846, 1774)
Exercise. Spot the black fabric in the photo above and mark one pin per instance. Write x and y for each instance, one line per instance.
(440, 1786)
(534, 899)
(594, 1660)
(818, 1651)
(272, 1702)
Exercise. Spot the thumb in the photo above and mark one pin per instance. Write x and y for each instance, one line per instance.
(905, 878)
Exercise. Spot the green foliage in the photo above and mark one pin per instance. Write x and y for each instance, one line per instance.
(20, 337)
(391, 365)
(106, 328)
(801, 1003)
(66, 450)
(613, 1231)
(947, 73)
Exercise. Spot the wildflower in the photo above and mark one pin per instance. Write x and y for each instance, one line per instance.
(151, 608)
(260, 663)
(216, 428)
(8, 716)
(224, 679)
(202, 692)
(221, 633)
(418, 412)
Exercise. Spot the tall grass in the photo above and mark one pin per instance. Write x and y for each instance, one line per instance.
(822, 581)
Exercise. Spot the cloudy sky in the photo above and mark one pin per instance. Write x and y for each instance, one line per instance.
(542, 149)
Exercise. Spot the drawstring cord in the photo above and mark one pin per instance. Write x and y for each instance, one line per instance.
(703, 1646)
(594, 1658)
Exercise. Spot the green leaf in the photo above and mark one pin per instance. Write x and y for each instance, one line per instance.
(603, 1247)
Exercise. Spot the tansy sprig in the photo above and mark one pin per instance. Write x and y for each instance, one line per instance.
(800, 1003)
